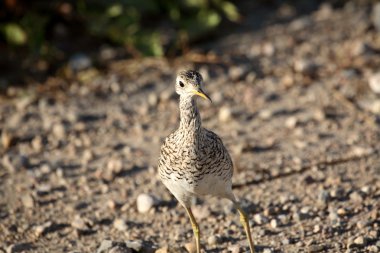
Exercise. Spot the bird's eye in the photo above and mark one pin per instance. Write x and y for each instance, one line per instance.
(181, 84)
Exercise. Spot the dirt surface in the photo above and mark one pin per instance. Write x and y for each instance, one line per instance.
(292, 103)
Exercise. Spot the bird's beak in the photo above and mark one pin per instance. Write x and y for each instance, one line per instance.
(202, 94)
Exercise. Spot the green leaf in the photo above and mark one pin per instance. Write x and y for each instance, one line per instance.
(230, 11)
(15, 34)
(115, 10)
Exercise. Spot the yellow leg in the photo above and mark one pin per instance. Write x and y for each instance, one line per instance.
(245, 222)
(195, 229)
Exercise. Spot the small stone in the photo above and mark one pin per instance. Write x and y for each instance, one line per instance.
(360, 241)
(360, 48)
(225, 114)
(59, 131)
(190, 247)
(162, 250)
(268, 250)
(265, 114)
(28, 201)
(341, 212)
(237, 72)
(213, 240)
(274, 223)
(79, 62)
(217, 97)
(120, 225)
(366, 189)
(43, 229)
(107, 53)
(317, 228)
(111, 204)
(356, 197)
(201, 212)
(305, 66)
(374, 82)
(268, 49)
(374, 106)
(105, 246)
(373, 248)
(291, 122)
(6, 139)
(323, 197)
(79, 223)
(234, 249)
(152, 99)
(319, 115)
(260, 219)
(285, 241)
(361, 224)
(136, 245)
(316, 248)
(144, 202)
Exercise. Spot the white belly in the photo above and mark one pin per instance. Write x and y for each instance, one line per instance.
(208, 185)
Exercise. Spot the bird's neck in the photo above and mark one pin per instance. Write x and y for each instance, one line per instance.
(190, 117)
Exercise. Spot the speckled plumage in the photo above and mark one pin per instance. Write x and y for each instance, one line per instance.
(193, 160)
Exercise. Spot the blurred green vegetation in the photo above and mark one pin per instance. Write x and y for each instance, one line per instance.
(148, 27)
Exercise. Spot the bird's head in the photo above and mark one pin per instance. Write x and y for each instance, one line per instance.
(190, 83)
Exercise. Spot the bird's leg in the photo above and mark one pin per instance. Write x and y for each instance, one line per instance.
(245, 222)
(195, 228)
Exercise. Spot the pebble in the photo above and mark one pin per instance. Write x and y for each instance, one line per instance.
(144, 202)
(108, 246)
(305, 66)
(265, 114)
(43, 229)
(317, 228)
(136, 245)
(79, 62)
(153, 99)
(291, 122)
(107, 53)
(59, 131)
(234, 249)
(79, 223)
(162, 250)
(374, 82)
(341, 211)
(316, 248)
(120, 224)
(360, 241)
(268, 250)
(374, 106)
(356, 197)
(285, 241)
(190, 247)
(237, 72)
(201, 212)
(260, 219)
(28, 201)
(274, 223)
(225, 114)
(6, 139)
(323, 197)
(213, 240)
(361, 224)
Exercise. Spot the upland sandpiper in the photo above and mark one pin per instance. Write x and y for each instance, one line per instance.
(193, 160)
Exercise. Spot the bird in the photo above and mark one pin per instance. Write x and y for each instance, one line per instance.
(193, 161)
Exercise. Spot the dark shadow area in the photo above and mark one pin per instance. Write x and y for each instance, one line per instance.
(39, 39)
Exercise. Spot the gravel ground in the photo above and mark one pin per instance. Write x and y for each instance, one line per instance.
(295, 103)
